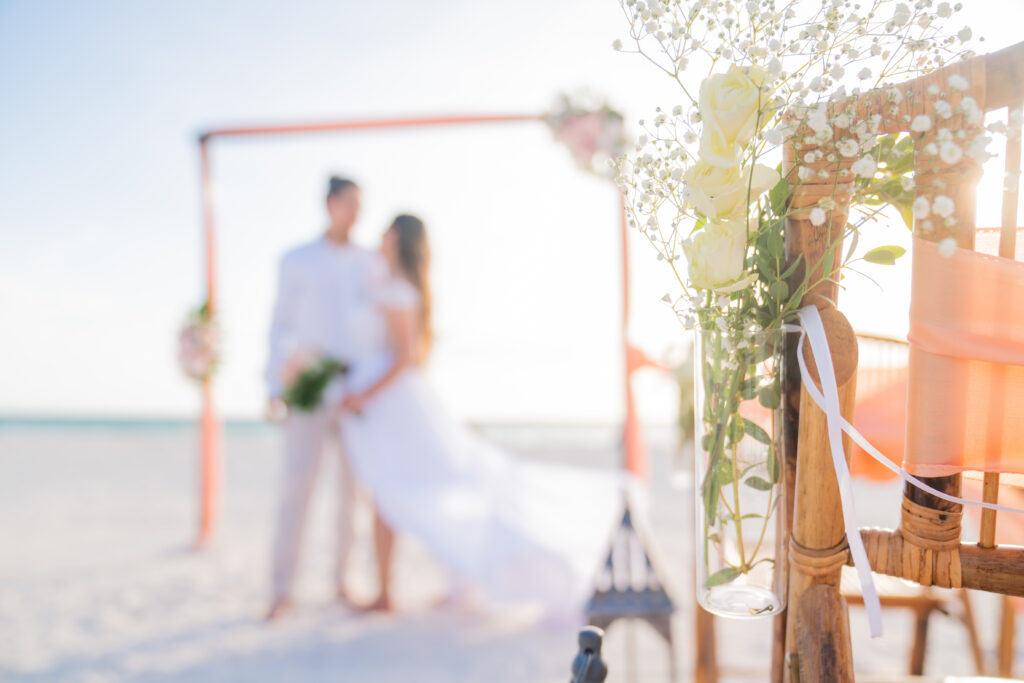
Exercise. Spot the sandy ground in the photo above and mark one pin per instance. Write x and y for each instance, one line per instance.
(98, 581)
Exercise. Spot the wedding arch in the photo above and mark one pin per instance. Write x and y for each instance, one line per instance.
(584, 131)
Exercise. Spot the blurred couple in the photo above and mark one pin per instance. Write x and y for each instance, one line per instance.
(506, 530)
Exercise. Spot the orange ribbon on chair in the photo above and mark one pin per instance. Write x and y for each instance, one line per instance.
(965, 396)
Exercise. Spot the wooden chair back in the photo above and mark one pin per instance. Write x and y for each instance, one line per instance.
(812, 637)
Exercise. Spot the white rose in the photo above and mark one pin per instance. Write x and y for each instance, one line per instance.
(732, 107)
(715, 256)
(722, 193)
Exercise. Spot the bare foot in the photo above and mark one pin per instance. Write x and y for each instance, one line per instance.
(279, 608)
(381, 604)
(345, 599)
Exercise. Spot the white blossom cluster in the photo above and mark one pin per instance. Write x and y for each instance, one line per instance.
(805, 61)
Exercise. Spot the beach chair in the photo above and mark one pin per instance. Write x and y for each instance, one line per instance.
(812, 641)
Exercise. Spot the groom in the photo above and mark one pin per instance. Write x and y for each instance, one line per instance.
(320, 286)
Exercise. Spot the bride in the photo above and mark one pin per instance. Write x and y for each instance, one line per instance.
(514, 530)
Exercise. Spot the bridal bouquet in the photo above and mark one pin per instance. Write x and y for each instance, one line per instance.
(706, 187)
(306, 376)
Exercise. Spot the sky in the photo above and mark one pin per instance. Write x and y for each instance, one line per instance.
(99, 200)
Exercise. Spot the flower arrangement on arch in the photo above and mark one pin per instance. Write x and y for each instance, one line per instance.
(199, 344)
(591, 130)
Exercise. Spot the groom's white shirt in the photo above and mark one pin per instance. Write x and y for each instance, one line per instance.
(322, 287)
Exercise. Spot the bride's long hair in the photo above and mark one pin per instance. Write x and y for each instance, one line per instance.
(414, 260)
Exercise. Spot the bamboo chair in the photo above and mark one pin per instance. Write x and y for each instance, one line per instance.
(875, 385)
(812, 640)
(881, 383)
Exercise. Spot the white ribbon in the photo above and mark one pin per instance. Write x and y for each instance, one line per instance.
(814, 331)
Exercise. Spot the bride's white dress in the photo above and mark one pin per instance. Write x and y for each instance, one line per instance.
(519, 530)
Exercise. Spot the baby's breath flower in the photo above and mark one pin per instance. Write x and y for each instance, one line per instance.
(817, 216)
(958, 82)
(921, 123)
(943, 206)
(922, 207)
(865, 167)
(947, 247)
(950, 152)
(848, 147)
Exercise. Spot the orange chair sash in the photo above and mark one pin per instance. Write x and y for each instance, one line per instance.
(965, 395)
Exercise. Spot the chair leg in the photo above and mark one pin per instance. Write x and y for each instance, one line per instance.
(1006, 634)
(967, 617)
(917, 651)
(705, 658)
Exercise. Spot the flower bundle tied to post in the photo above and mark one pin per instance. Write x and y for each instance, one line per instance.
(707, 185)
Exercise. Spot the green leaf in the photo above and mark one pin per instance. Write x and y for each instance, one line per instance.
(755, 431)
(721, 576)
(752, 515)
(907, 214)
(758, 483)
(750, 388)
(792, 266)
(853, 244)
(778, 197)
(885, 256)
(778, 290)
(724, 477)
(769, 397)
(705, 442)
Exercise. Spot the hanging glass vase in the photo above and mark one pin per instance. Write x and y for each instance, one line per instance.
(739, 488)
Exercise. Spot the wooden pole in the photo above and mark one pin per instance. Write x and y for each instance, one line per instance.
(633, 446)
(209, 422)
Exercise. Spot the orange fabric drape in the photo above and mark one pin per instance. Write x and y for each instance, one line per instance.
(881, 416)
(965, 393)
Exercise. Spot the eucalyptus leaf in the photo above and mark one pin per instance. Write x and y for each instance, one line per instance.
(758, 483)
(885, 256)
(721, 576)
(755, 430)
(778, 197)
(769, 397)
(778, 290)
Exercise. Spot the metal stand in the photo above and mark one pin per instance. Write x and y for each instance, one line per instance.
(629, 587)
(588, 667)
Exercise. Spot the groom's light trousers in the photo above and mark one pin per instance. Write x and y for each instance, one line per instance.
(306, 436)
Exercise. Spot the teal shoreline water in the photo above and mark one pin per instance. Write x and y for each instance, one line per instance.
(61, 422)
(120, 423)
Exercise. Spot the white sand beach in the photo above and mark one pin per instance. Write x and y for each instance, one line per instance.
(99, 582)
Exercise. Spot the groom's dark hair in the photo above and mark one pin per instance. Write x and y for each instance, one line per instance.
(336, 185)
